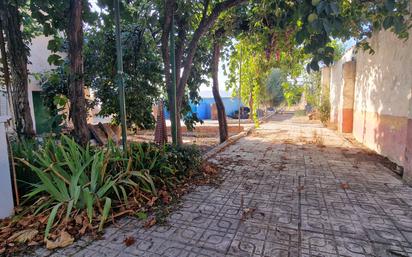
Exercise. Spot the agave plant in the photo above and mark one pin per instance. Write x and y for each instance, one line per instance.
(72, 177)
(153, 160)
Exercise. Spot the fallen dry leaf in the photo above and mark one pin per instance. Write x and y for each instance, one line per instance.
(247, 212)
(152, 201)
(150, 222)
(165, 196)
(33, 243)
(65, 239)
(85, 226)
(209, 169)
(78, 219)
(24, 236)
(43, 219)
(25, 221)
(344, 185)
(128, 241)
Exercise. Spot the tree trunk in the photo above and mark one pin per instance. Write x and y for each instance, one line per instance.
(6, 70)
(160, 137)
(251, 106)
(172, 113)
(221, 114)
(206, 23)
(78, 110)
(18, 52)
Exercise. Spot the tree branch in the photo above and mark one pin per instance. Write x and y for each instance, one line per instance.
(205, 24)
(168, 14)
(182, 25)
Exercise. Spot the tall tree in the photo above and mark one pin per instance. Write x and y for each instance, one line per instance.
(5, 67)
(203, 15)
(229, 25)
(142, 72)
(18, 52)
(78, 110)
(66, 17)
(280, 29)
(221, 114)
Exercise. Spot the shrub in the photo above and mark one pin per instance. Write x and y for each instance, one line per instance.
(66, 178)
(324, 110)
(25, 177)
(71, 178)
(186, 159)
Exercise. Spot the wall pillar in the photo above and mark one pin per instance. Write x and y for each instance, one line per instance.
(407, 167)
(6, 193)
(345, 117)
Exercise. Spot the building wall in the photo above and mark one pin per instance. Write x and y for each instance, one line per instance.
(203, 109)
(4, 104)
(382, 97)
(37, 64)
(336, 86)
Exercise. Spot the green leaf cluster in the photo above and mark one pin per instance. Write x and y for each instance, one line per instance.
(66, 178)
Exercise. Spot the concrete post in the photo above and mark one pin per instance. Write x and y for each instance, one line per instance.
(6, 193)
(345, 118)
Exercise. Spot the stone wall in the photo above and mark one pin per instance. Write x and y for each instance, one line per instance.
(380, 98)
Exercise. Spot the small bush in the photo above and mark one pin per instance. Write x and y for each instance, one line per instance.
(25, 149)
(300, 113)
(66, 179)
(324, 110)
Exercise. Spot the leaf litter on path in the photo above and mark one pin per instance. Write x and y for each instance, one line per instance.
(65, 239)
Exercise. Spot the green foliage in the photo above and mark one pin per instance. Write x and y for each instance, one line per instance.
(274, 91)
(55, 91)
(324, 109)
(324, 106)
(292, 93)
(312, 88)
(312, 25)
(249, 68)
(315, 97)
(186, 159)
(66, 178)
(142, 73)
(72, 178)
(339, 49)
(25, 149)
(299, 113)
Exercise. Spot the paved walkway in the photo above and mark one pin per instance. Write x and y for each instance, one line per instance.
(290, 189)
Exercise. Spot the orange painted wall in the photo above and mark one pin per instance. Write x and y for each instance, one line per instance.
(347, 120)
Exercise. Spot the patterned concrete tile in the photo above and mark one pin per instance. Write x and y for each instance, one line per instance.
(303, 200)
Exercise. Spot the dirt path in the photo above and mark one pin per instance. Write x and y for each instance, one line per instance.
(292, 188)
